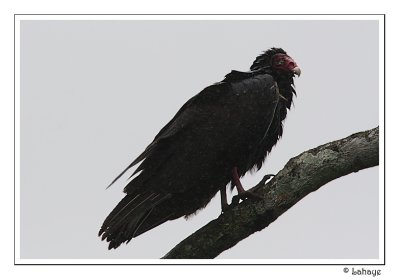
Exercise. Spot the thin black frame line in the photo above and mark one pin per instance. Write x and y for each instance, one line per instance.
(384, 150)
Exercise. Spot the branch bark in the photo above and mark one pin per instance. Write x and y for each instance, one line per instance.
(302, 175)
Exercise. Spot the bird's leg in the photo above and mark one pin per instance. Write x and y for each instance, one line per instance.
(242, 193)
(236, 181)
(224, 199)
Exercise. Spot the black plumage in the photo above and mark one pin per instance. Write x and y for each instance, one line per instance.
(230, 125)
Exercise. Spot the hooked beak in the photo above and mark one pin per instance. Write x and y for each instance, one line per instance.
(297, 71)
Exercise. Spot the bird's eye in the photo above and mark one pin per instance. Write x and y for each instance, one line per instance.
(280, 62)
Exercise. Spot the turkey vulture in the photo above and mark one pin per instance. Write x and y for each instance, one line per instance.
(214, 139)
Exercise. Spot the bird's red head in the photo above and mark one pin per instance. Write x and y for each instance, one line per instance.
(284, 63)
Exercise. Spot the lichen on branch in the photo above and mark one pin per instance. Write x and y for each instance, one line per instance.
(302, 175)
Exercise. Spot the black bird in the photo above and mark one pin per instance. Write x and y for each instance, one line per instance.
(214, 139)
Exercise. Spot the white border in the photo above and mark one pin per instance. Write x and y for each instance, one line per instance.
(17, 140)
(198, 17)
(379, 18)
(381, 138)
(206, 261)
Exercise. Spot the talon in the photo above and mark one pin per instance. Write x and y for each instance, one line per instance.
(228, 207)
(263, 181)
(225, 207)
(235, 201)
(242, 194)
(250, 195)
(267, 177)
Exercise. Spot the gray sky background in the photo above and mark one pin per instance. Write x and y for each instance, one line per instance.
(95, 93)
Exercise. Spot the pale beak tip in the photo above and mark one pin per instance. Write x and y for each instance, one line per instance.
(297, 71)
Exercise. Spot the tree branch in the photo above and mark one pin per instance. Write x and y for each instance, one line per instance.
(301, 175)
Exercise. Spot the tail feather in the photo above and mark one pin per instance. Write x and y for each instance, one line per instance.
(126, 220)
(123, 204)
